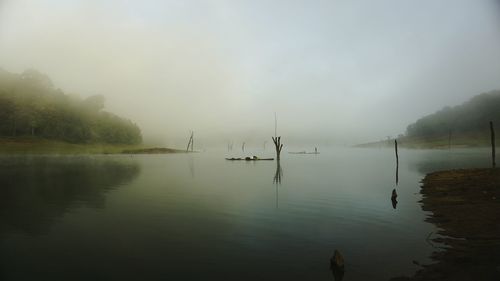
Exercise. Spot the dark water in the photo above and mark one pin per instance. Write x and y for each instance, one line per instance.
(200, 217)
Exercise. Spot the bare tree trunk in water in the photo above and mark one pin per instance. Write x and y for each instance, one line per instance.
(190, 143)
(278, 146)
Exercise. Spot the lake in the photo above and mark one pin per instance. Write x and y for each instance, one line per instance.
(199, 217)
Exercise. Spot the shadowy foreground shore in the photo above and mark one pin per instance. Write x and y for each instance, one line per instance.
(465, 205)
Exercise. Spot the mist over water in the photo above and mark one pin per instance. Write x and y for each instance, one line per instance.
(335, 72)
(99, 100)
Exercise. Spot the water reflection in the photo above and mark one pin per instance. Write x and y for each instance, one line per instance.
(431, 161)
(278, 175)
(394, 197)
(35, 191)
(191, 166)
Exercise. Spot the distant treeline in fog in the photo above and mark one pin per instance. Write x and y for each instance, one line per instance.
(469, 118)
(31, 106)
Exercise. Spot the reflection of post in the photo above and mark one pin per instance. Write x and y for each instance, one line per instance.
(492, 144)
(191, 166)
(243, 147)
(394, 197)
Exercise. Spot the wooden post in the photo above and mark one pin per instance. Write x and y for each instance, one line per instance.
(190, 143)
(397, 161)
(278, 146)
(396, 149)
(492, 144)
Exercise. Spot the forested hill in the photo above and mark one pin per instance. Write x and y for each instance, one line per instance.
(470, 118)
(30, 105)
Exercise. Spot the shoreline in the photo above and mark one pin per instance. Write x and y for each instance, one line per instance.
(465, 205)
(40, 146)
(442, 142)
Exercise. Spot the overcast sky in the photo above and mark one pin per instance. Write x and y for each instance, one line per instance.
(336, 71)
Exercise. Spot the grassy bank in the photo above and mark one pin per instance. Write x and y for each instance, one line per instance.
(28, 145)
(465, 205)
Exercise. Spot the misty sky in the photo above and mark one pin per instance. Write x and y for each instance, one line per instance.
(334, 71)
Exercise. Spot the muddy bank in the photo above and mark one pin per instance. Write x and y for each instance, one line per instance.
(465, 205)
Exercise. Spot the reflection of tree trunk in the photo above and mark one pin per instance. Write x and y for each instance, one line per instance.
(278, 175)
(277, 179)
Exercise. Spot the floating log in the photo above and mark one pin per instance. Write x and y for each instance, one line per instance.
(255, 158)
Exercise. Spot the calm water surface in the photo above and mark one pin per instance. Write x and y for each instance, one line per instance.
(200, 217)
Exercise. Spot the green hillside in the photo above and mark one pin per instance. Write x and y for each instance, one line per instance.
(30, 105)
(469, 119)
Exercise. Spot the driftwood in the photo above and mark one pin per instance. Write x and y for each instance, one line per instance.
(254, 158)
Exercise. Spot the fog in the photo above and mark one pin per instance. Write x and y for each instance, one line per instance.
(335, 72)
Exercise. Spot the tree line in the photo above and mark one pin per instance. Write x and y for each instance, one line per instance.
(470, 117)
(30, 105)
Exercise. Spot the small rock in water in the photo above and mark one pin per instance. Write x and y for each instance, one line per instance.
(337, 260)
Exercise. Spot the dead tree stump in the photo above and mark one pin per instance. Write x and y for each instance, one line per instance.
(278, 146)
